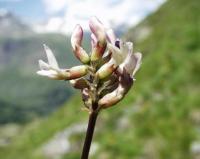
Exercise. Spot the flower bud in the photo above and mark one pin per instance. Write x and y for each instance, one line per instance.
(98, 51)
(98, 39)
(65, 74)
(110, 99)
(79, 83)
(76, 40)
(77, 71)
(106, 70)
(98, 29)
(86, 97)
(105, 59)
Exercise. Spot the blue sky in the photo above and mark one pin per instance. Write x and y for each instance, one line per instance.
(27, 9)
(61, 15)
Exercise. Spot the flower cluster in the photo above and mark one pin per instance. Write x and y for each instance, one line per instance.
(106, 74)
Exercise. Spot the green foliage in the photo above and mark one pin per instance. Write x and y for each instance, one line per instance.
(156, 119)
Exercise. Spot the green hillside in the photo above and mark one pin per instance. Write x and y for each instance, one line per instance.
(159, 118)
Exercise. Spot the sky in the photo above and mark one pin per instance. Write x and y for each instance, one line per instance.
(63, 15)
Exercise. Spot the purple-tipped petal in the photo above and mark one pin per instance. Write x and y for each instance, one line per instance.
(77, 36)
(76, 41)
(97, 28)
(98, 40)
(93, 40)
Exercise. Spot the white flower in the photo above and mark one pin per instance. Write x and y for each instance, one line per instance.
(119, 53)
(110, 36)
(52, 70)
(125, 81)
(132, 63)
(122, 56)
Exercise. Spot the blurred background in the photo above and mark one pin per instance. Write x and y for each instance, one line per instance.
(42, 118)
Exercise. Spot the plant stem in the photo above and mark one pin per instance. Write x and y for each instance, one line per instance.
(89, 135)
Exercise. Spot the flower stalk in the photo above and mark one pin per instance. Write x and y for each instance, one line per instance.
(105, 76)
(89, 134)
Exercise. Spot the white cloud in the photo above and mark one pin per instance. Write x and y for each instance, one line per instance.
(53, 6)
(55, 24)
(113, 13)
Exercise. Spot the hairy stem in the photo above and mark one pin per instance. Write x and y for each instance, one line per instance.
(89, 135)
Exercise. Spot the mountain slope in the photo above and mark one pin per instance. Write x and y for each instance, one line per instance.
(21, 87)
(11, 25)
(160, 116)
(21, 95)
